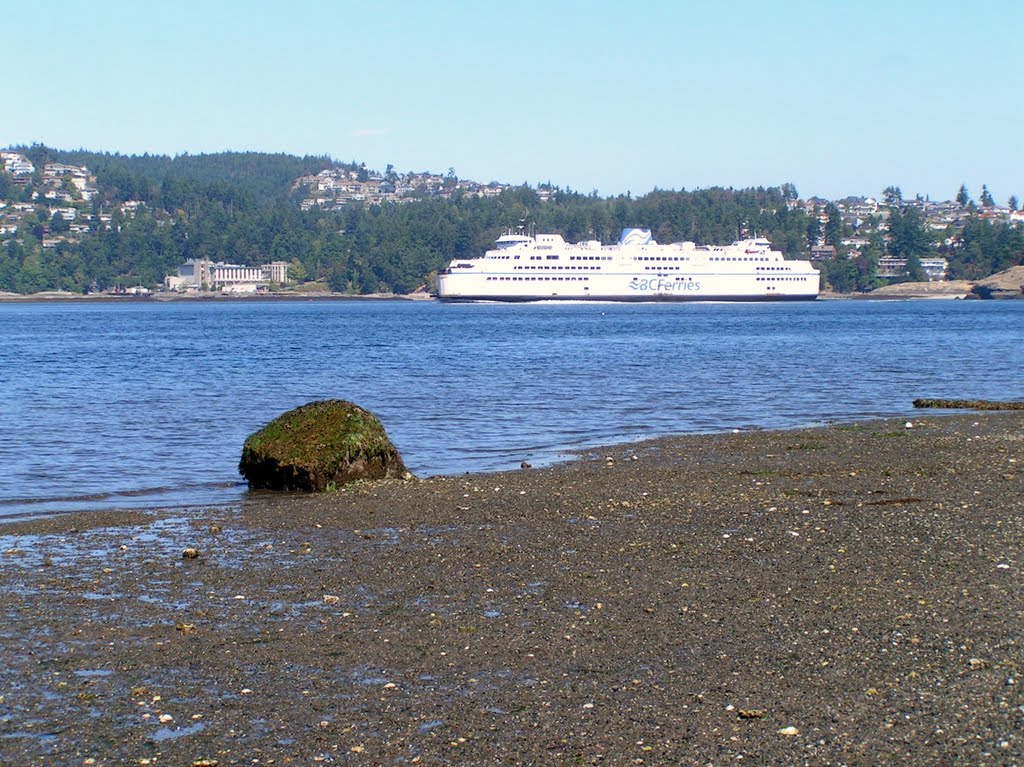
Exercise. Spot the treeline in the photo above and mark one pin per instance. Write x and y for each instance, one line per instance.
(167, 182)
(239, 208)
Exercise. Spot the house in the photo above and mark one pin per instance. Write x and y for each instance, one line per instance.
(823, 252)
(934, 268)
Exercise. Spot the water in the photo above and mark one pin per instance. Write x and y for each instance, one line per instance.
(144, 404)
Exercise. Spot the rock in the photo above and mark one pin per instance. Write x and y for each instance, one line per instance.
(190, 553)
(933, 289)
(968, 404)
(1005, 284)
(317, 447)
(789, 731)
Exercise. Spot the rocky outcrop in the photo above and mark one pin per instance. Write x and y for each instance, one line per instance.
(969, 404)
(935, 289)
(319, 446)
(1006, 284)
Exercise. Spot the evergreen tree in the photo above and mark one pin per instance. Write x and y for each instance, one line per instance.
(913, 271)
(813, 231)
(834, 227)
(986, 198)
(962, 197)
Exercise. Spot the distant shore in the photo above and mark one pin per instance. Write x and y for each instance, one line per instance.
(60, 296)
(917, 291)
(848, 594)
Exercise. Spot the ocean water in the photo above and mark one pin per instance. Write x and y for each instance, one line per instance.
(147, 404)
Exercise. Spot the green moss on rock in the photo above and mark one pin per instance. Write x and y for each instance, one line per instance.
(317, 446)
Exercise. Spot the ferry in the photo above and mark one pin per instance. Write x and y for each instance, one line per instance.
(544, 267)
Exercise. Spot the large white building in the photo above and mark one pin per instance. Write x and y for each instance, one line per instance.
(934, 268)
(200, 274)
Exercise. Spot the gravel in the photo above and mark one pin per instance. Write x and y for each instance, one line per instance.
(850, 595)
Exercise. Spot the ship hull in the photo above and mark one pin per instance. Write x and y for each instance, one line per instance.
(525, 299)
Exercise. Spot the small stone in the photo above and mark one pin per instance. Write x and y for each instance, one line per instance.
(751, 713)
(166, 718)
(524, 465)
(185, 628)
(977, 663)
(908, 425)
(190, 553)
(331, 599)
(215, 529)
(789, 731)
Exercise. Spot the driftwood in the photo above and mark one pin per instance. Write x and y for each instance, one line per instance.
(969, 404)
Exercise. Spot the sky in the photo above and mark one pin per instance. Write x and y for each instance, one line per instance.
(835, 96)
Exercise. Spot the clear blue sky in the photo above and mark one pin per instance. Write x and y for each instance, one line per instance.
(837, 97)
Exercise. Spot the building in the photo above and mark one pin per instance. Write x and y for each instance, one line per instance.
(201, 274)
(934, 268)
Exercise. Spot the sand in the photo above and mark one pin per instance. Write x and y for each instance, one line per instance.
(846, 595)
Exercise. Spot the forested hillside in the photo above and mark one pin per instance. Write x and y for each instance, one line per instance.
(241, 208)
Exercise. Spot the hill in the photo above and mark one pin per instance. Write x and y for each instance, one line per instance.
(79, 221)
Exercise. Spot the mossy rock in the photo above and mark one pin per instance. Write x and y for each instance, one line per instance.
(319, 446)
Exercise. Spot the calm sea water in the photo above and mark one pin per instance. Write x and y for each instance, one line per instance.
(147, 404)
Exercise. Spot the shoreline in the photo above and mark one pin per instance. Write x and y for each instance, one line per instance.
(905, 292)
(842, 594)
(49, 298)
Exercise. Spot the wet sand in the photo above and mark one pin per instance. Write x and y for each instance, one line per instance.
(848, 595)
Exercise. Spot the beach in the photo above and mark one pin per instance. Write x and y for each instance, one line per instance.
(843, 595)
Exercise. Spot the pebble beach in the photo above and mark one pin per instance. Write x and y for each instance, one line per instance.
(847, 595)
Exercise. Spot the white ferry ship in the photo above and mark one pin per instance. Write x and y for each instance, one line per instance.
(545, 267)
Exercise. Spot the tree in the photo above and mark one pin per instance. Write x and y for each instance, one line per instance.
(913, 271)
(841, 274)
(907, 234)
(834, 227)
(892, 195)
(867, 263)
(986, 197)
(813, 231)
(1013, 203)
(962, 197)
(296, 271)
(58, 224)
